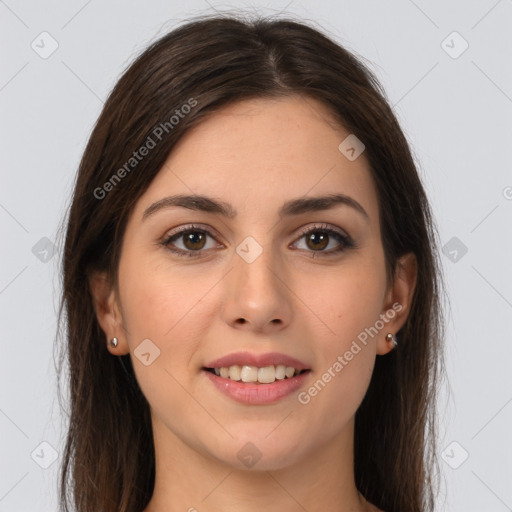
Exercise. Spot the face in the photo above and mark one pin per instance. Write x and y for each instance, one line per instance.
(307, 281)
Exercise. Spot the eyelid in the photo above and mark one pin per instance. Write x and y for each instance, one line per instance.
(192, 227)
(346, 240)
(323, 227)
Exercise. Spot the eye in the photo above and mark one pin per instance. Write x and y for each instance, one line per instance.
(319, 238)
(193, 239)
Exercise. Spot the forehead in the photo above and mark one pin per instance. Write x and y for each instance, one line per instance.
(258, 153)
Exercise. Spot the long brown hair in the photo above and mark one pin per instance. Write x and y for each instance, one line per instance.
(108, 463)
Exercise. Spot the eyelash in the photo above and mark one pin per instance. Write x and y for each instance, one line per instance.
(345, 241)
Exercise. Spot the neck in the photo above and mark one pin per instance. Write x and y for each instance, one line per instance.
(190, 479)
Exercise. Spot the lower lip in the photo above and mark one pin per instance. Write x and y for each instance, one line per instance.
(257, 394)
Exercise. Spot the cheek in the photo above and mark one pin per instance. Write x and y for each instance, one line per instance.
(349, 305)
(346, 361)
(347, 301)
(173, 308)
(337, 392)
(159, 306)
(159, 300)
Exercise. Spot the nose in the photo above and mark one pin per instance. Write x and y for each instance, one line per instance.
(258, 294)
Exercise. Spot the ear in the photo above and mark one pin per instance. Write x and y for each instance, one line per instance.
(397, 303)
(107, 311)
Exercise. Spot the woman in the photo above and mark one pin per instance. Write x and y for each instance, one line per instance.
(251, 285)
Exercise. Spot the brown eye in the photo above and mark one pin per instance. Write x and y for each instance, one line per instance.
(193, 240)
(317, 240)
(189, 241)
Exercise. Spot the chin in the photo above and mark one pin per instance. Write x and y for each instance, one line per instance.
(259, 454)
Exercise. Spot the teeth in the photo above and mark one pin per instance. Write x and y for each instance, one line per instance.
(267, 374)
(280, 371)
(289, 371)
(249, 374)
(235, 372)
(264, 375)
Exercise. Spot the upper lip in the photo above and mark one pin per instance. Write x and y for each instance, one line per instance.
(259, 360)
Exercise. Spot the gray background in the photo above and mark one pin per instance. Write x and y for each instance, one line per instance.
(455, 109)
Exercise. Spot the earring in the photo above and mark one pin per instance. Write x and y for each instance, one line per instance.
(390, 337)
(113, 342)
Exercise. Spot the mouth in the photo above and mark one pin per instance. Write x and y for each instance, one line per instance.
(246, 374)
(253, 385)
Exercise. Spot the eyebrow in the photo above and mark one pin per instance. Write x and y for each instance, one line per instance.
(293, 207)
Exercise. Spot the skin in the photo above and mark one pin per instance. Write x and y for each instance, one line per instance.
(255, 155)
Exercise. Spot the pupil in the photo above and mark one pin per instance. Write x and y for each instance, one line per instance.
(194, 238)
(323, 239)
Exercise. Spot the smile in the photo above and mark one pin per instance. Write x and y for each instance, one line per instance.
(262, 375)
(256, 392)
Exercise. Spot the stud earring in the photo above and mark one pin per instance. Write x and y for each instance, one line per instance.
(113, 342)
(390, 337)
